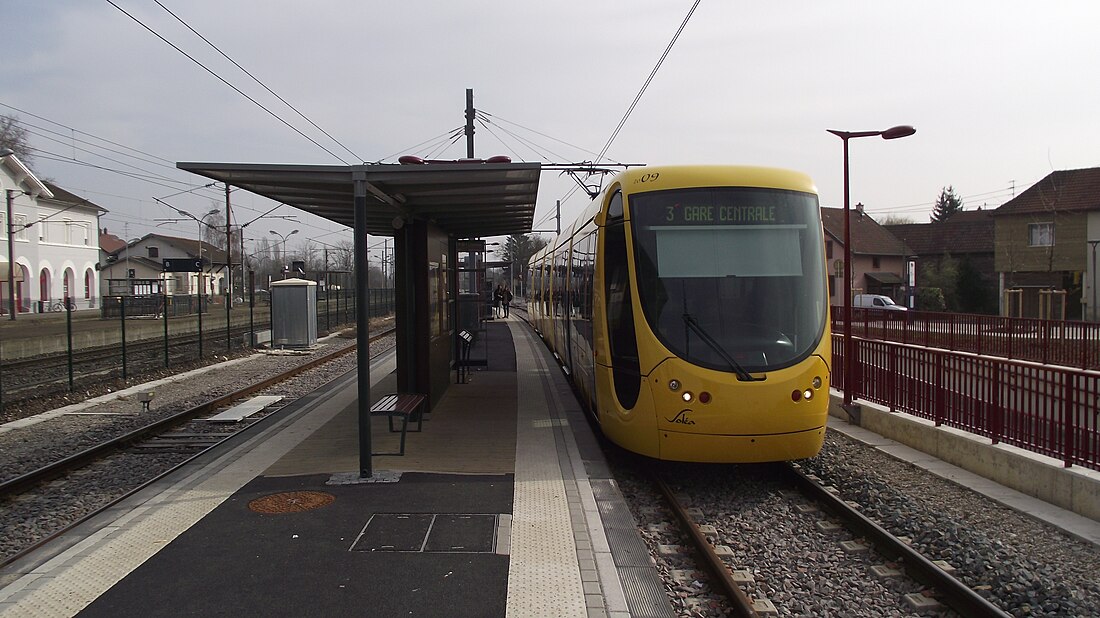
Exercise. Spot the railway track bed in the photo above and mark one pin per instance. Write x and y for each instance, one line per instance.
(793, 557)
(39, 508)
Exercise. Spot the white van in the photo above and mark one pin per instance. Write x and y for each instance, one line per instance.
(876, 301)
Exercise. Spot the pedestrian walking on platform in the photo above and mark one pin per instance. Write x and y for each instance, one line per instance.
(498, 301)
(506, 300)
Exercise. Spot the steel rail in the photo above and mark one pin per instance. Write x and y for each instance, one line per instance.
(29, 549)
(739, 601)
(954, 593)
(54, 470)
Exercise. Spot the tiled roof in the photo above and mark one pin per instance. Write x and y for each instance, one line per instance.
(1060, 191)
(65, 197)
(187, 245)
(969, 231)
(868, 237)
(111, 243)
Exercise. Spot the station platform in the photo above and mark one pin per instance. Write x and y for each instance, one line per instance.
(502, 506)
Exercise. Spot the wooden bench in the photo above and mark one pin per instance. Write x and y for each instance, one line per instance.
(404, 405)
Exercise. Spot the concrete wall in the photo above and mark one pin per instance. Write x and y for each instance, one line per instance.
(1075, 489)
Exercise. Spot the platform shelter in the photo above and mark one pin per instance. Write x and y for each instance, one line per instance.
(428, 209)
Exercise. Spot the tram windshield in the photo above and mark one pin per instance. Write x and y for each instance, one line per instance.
(731, 278)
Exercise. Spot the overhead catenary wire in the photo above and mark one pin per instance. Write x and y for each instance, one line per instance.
(489, 129)
(74, 130)
(432, 140)
(257, 80)
(145, 172)
(638, 97)
(226, 82)
(633, 104)
(494, 117)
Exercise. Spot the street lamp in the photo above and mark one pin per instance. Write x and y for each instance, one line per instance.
(849, 361)
(284, 238)
(1095, 309)
(201, 221)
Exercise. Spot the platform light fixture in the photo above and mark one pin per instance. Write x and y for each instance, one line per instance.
(891, 133)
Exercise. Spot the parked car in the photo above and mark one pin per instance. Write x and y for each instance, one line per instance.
(876, 301)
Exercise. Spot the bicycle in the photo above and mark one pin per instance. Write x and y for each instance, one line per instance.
(63, 305)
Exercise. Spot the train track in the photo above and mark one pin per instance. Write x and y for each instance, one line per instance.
(812, 497)
(49, 374)
(161, 436)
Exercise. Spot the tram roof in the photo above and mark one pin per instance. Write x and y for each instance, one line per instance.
(466, 200)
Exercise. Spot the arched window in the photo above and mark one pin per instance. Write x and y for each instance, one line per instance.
(68, 282)
(44, 285)
(89, 279)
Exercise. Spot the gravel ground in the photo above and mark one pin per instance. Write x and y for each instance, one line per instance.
(1025, 567)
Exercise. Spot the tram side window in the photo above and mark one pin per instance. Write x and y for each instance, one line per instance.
(546, 286)
(589, 251)
(620, 317)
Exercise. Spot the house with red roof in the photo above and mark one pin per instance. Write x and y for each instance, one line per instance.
(1046, 247)
(880, 262)
(967, 239)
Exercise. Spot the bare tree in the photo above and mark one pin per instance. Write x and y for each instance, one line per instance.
(13, 135)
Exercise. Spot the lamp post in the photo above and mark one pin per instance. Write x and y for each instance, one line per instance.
(284, 238)
(11, 258)
(1095, 309)
(849, 364)
(11, 250)
(201, 221)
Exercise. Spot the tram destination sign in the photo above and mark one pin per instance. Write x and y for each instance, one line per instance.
(682, 214)
(182, 265)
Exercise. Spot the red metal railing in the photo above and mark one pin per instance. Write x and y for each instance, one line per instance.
(1046, 409)
(1052, 342)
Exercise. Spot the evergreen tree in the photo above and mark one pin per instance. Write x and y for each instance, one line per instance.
(518, 249)
(947, 204)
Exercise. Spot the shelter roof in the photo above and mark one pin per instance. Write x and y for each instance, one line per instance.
(466, 199)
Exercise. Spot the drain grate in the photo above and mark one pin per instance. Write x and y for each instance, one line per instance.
(291, 502)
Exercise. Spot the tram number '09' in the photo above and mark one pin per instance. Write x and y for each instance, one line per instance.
(647, 177)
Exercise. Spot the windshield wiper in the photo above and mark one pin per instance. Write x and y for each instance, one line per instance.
(742, 375)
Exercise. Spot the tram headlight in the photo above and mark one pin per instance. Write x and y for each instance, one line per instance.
(687, 396)
(817, 382)
(796, 395)
(704, 397)
(808, 394)
(673, 385)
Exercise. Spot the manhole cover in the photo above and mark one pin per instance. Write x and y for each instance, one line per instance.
(291, 502)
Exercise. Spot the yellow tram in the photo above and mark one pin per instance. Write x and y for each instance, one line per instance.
(689, 306)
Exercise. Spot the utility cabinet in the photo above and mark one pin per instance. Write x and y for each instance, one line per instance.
(293, 313)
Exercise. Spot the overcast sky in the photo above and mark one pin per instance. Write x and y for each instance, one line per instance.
(1001, 93)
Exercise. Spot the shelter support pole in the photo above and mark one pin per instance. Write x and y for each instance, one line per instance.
(362, 322)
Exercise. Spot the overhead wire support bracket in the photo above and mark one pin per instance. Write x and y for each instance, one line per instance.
(574, 170)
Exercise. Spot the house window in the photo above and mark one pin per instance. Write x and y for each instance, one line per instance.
(154, 252)
(19, 222)
(876, 263)
(1040, 235)
(829, 249)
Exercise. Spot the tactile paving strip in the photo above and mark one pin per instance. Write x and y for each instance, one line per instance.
(543, 573)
